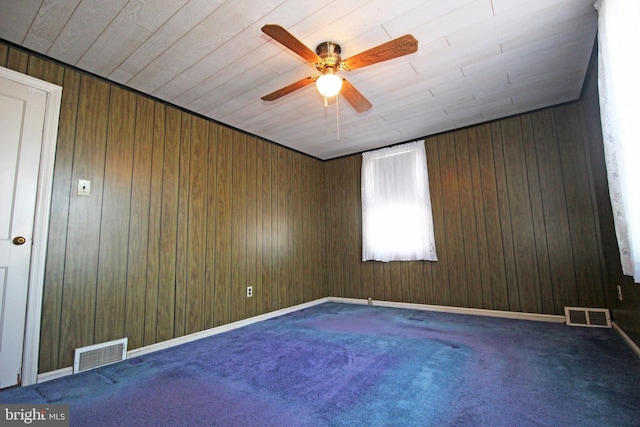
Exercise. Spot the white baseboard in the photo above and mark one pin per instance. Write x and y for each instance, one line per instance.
(627, 339)
(52, 375)
(457, 310)
(348, 300)
(220, 329)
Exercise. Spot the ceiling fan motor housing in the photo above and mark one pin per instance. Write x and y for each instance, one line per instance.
(330, 54)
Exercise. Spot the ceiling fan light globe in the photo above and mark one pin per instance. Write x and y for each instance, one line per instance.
(329, 85)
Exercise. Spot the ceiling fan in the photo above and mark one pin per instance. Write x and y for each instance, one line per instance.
(327, 60)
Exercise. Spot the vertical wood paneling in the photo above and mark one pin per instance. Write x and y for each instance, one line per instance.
(344, 246)
(223, 228)
(388, 286)
(543, 292)
(239, 228)
(501, 169)
(196, 241)
(44, 70)
(336, 224)
(182, 239)
(315, 251)
(116, 199)
(482, 286)
(427, 278)
(394, 290)
(83, 232)
(309, 283)
(253, 262)
(309, 236)
(354, 231)
(404, 281)
(370, 288)
(283, 256)
(415, 282)
(139, 223)
(439, 268)
(376, 285)
(523, 293)
(495, 249)
(467, 213)
(17, 60)
(210, 273)
(4, 53)
(554, 202)
(266, 193)
(310, 286)
(580, 205)
(155, 221)
(169, 226)
(322, 227)
(297, 237)
(275, 223)
(453, 237)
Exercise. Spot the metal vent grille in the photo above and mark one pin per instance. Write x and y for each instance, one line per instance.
(97, 355)
(589, 317)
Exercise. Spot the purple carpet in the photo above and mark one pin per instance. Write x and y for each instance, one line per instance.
(351, 365)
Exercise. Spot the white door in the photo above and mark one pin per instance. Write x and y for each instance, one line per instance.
(22, 118)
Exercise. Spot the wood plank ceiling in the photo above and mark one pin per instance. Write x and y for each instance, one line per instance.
(478, 60)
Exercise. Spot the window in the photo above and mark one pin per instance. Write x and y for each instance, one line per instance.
(396, 207)
(619, 88)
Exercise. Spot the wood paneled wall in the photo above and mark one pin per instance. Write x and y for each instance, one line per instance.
(183, 215)
(515, 218)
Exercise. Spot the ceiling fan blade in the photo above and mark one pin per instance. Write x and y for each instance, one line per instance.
(355, 98)
(288, 89)
(392, 49)
(285, 38)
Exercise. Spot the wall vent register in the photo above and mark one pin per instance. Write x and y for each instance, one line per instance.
(589, 317)
(97, 355)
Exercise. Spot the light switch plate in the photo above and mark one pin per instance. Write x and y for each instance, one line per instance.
(84, 187)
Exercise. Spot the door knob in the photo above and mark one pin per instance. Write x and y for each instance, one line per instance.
(19, 240)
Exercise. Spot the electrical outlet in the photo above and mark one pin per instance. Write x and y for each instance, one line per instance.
(619, 292)
(249, 291)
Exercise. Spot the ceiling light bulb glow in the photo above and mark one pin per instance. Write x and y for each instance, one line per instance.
(329, 85)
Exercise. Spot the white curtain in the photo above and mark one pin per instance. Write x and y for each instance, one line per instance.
(619, 88)
(396, 206)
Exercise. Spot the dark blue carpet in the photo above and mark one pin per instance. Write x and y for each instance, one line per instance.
(351, 365)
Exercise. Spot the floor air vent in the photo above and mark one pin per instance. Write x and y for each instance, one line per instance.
(97, 355)
(590, 317)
